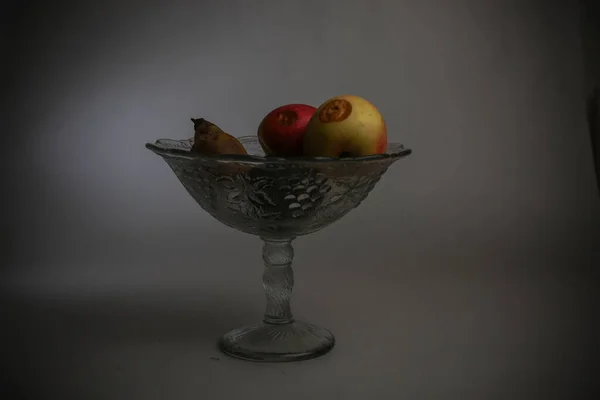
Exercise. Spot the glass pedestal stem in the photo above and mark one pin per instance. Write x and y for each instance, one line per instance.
(278, 280)
(279, 337)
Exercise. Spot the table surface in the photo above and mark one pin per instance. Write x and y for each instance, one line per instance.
(404, 333)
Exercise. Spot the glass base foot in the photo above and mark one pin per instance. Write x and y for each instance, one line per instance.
(277, 343)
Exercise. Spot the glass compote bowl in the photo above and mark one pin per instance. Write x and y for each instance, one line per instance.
(276, 199)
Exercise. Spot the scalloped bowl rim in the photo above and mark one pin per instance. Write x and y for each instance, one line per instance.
(159, 147)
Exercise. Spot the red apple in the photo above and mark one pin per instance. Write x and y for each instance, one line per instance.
(281, 132)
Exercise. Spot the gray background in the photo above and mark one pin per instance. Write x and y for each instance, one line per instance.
(466, 274)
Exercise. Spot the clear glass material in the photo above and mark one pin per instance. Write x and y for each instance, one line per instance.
(276, 199)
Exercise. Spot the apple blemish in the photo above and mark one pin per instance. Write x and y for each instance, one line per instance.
(335, 111)
(287, 118)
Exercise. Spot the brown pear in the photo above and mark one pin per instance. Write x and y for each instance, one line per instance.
(209, 139)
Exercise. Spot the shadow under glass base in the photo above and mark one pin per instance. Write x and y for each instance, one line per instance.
(266, 342)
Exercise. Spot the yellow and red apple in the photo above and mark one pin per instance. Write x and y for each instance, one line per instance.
(345, 126)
